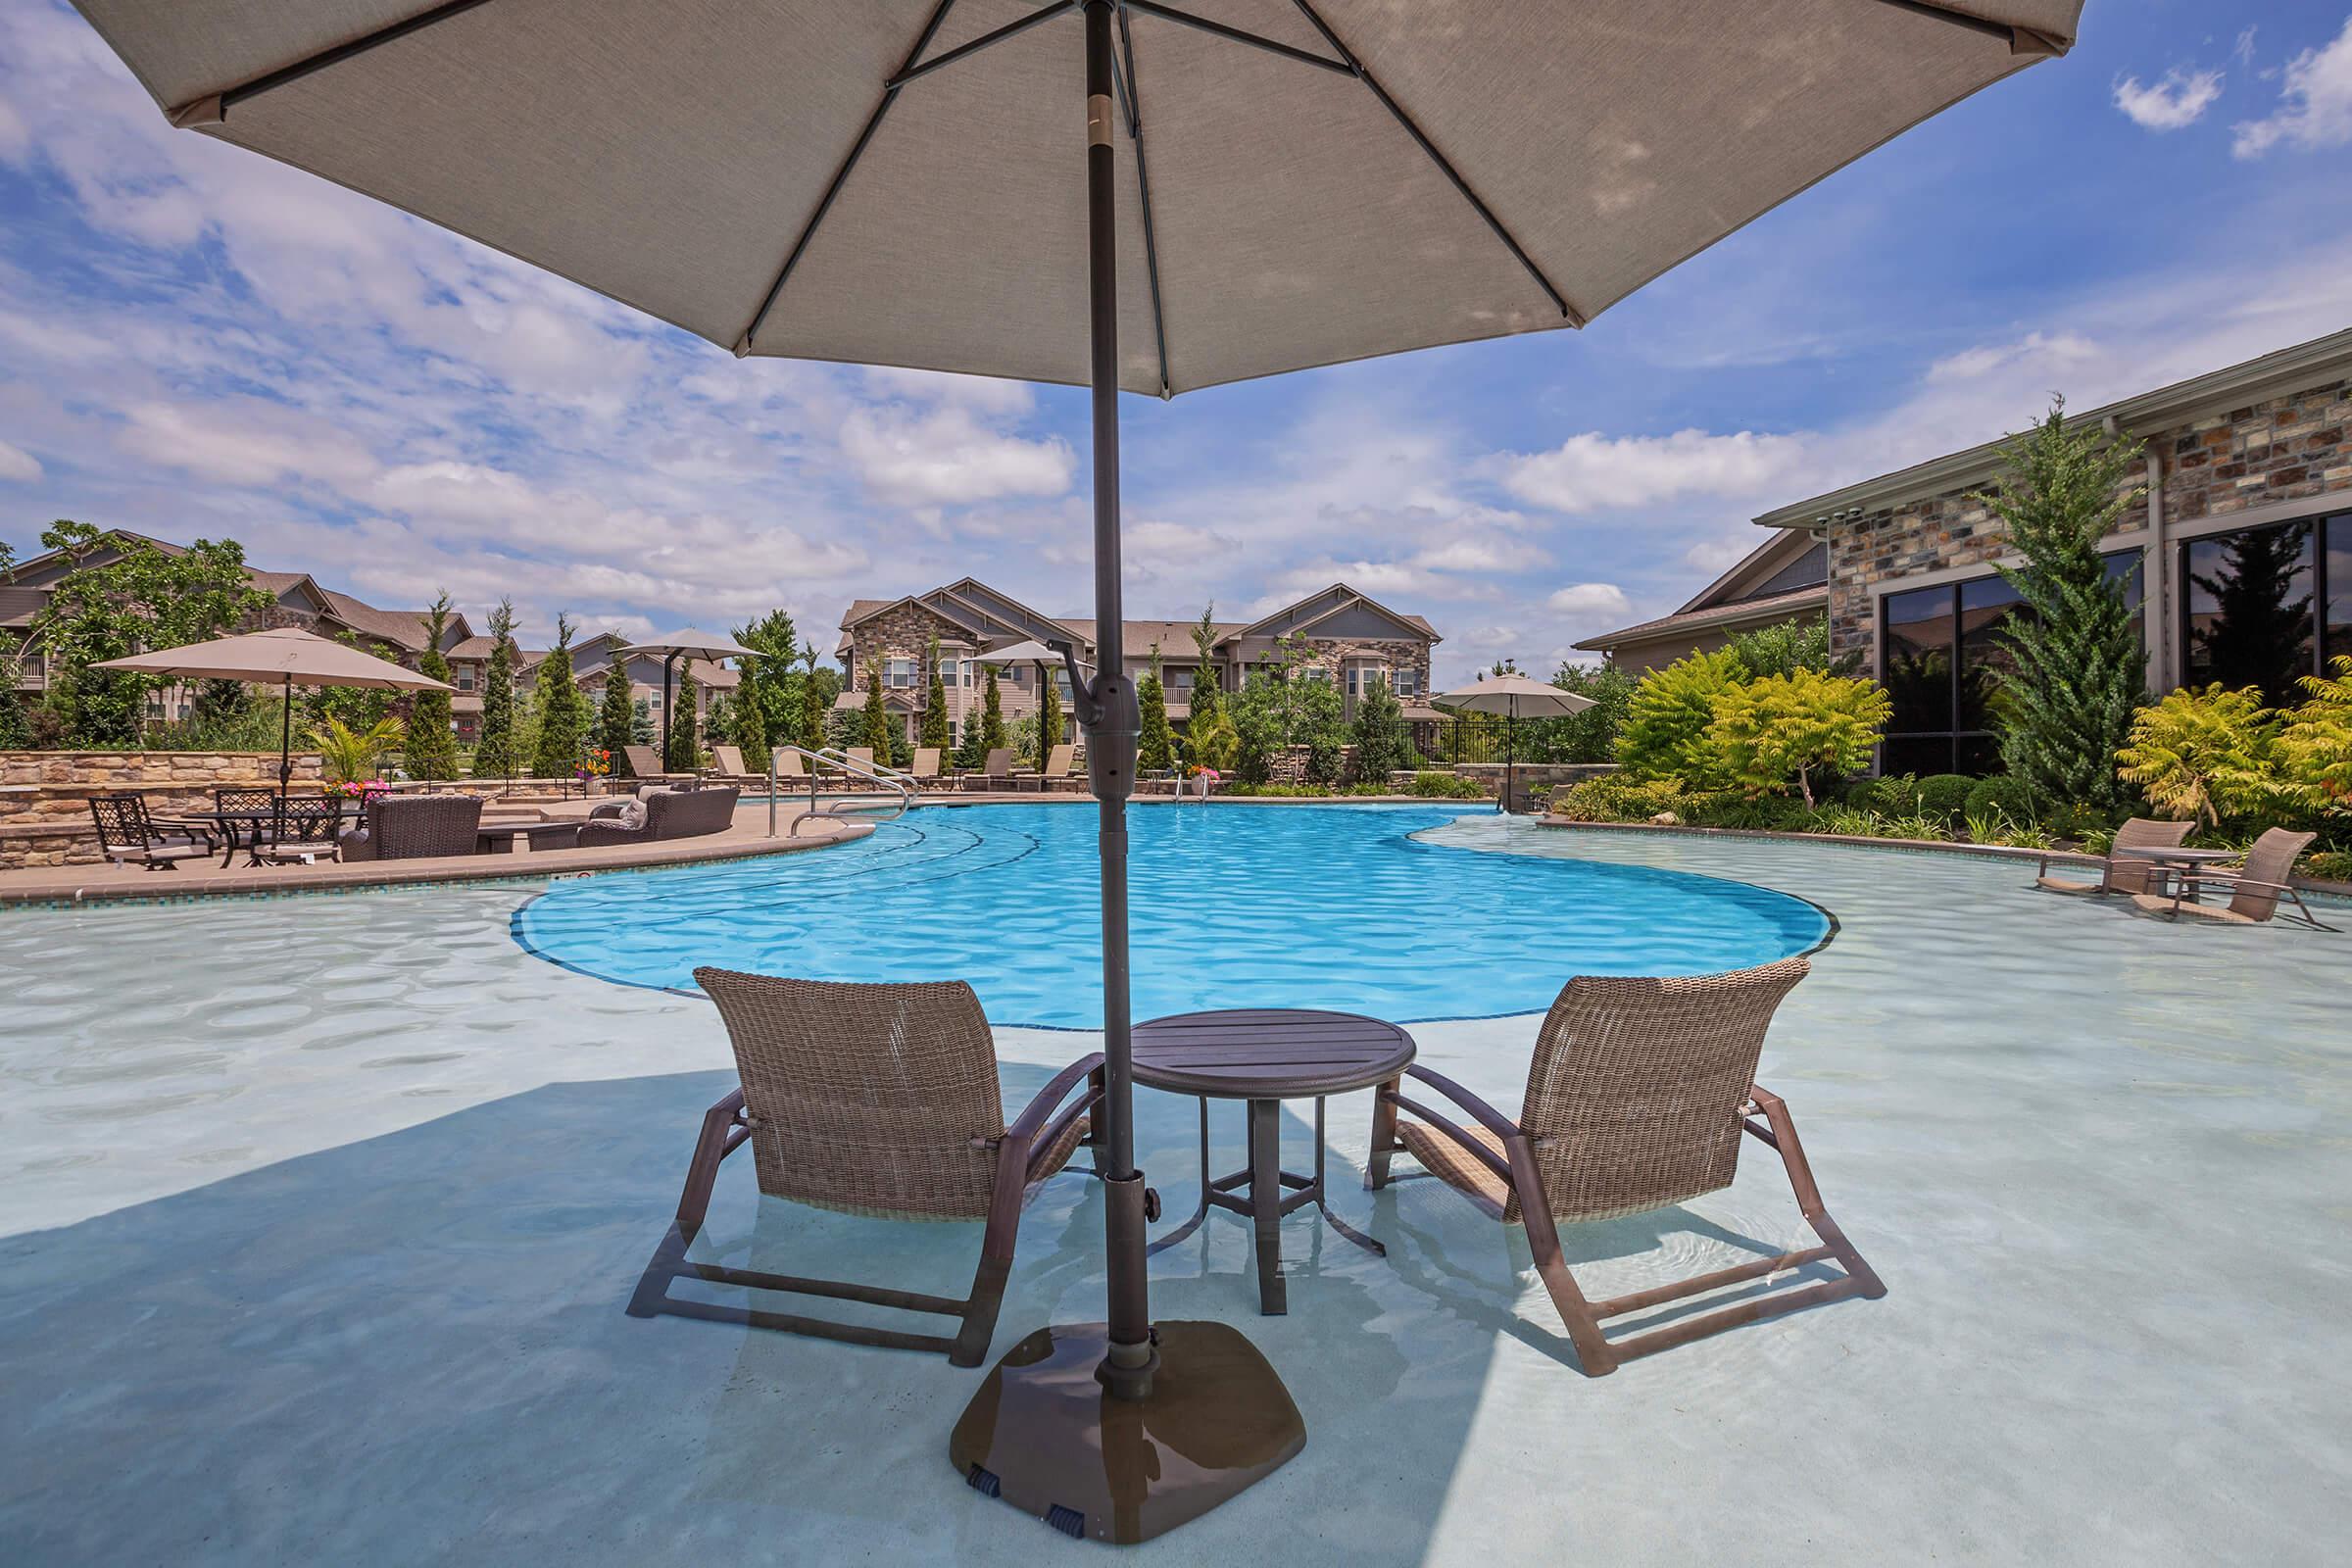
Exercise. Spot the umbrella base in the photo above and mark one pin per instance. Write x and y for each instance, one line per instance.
(1045, 1436)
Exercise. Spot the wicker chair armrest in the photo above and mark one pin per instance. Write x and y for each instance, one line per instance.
(2233, 879)
(1485, 1115)
(1032, 1121)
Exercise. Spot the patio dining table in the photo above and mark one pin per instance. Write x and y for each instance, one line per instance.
(251, 819)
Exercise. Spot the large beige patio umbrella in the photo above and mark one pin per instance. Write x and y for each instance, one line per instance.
(1515, 697)
(289, 658)
(959, 187)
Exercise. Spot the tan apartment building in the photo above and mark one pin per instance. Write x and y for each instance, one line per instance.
(1354, 640)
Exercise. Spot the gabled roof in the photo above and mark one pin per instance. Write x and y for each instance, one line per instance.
(1738, 596)
(50, 558)
(1774, 606)
(1342, 596)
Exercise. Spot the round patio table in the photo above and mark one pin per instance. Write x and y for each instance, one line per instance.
(2172, 860)
(1265, 1056)
(252, 819)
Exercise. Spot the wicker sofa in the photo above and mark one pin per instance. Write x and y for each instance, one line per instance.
(407, 827)
(669, 814)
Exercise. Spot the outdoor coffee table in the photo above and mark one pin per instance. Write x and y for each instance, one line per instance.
(498, 838)
(1265, 1056)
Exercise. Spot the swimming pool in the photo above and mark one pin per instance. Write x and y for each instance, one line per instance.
(1294, 906)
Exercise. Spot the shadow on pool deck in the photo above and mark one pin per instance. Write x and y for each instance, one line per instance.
(413, 1348)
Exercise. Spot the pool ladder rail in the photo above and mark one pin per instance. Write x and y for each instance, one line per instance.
(886, 780)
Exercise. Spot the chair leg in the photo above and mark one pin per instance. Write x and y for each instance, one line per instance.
(1592, 1349)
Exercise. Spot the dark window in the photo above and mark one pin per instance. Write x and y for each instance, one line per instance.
(1809, 571)
(1942, 664)
(2251, 608)
(2335, 571)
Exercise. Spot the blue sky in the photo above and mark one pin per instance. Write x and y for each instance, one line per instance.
(195, 341)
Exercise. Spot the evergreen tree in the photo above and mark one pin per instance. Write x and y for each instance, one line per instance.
(875, 728)
(935, 701)
(1157, 747)
(642, 730)
(685, 727)
(494, 752)
(1207, 701)
(815, 701)
(748, 727)
(1049, 714)
(1384, 745)
(991, 717)
(432, 751)
(2079, 668)
(1322, 729)
(616, 714)
(769, 678)
(561, 712)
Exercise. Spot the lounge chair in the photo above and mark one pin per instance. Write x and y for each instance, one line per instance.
(872, 1099)
(643, 763)
(2121, 873)
(408, 828)
(728, 761)
(2254, 889)
(924, 768)
(128, 836)
(996, 773)
(790, 765)
(1637, 1097)
(1055, 772)
(664, 815)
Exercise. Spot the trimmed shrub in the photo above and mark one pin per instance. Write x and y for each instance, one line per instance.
(1943, 797)
(1617, 798)
(2004, 795)
(1447, 787)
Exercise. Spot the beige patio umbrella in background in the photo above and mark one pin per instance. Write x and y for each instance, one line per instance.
(959, 186)
(285, 658)
(1515, 697)
(688, 643)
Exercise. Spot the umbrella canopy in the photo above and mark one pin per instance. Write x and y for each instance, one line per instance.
(960, 186)
(690, 644)
(1028, 653)
(819, 180)
(284, 656)
(288, 656)
(1515, 697)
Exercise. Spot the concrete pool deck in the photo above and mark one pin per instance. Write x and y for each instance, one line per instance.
(321, 1254)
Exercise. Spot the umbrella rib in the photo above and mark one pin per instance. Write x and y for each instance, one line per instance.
(911, 72)
(824, 205)
(341, 52)
(1356, 68)
(1239, 35)
(1131, 89)
(2021, 40)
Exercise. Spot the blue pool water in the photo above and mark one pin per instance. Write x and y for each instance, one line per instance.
(1303, 906)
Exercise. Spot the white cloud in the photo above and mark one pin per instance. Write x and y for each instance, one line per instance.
(2056, 350)
(2176, 99)
(1593, 471)
(1591, 601)
(243, 441)
(1717, 555)
(17, 463)
(2314, 103)
(945, 456)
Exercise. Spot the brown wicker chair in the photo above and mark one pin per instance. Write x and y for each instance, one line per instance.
(2121, 873)
(1636, 1099)
(412, 827)
(670, 814)
(2254, 889)
(872, 1099)
(128, 835)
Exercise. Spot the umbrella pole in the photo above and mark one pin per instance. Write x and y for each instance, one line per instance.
(1041, 1432)
(285, 749)
(665, 707)
(1511, 755)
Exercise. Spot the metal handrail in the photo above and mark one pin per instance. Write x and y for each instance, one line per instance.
(880, 775)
